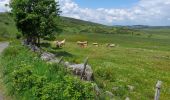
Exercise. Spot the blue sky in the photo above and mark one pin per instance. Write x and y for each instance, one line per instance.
(106, 3)
(119, 12)
(115, 12)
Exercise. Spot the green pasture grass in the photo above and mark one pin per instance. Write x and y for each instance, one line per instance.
(161, 33)
(7, 27)
(125, 40)
(137, 61)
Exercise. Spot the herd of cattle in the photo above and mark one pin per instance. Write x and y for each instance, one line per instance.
(82, 44)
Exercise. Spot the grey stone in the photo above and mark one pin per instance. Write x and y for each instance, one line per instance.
(55, 60)
(131, 88)
(109, 94)
(97, 90)
(115, 88)
(78, 70)
(46, 56)
(127, 98)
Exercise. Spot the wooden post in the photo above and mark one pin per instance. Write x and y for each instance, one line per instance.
(85, 64)
(158, 88)
(61, 59)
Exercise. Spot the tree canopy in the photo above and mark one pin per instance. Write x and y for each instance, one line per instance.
(35, 18)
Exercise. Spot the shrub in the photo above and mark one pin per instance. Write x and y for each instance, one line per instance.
(28, 77)
(23, 78)
(18, 36)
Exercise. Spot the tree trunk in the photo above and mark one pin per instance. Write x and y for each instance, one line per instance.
(38, 41)
(29, 40)
(34, 39)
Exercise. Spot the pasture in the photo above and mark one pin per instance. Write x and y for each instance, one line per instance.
(131, 69)
(137, 62)
(7, 27)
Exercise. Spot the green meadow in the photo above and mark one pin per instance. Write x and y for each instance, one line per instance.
(138, 61)
(7, 27)
(131, 69)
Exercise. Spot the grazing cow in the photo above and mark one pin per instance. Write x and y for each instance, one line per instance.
(82, 44)
(111, 45)
(60, 43)
(96, 44)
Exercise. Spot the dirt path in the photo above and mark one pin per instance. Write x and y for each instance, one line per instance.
(3, 45)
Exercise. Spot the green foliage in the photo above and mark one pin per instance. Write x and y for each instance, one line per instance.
(35, 18)
(18, 36)
(22, 78)
(29, 78)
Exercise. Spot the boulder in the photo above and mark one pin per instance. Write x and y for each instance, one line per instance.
(131, 88)
(127, 98)
(97, 90)
(115, 88)
(46, 56)
(35, 48)
(109, 94)
(78, 70)
(55, 60)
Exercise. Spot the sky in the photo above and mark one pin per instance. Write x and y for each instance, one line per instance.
(115, 12)
(105, 3)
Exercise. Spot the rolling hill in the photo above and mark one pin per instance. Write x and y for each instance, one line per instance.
(67, 25)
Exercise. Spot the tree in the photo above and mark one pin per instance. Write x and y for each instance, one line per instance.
(35, 18)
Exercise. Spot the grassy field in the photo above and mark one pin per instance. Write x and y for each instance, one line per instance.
(7, 27)
(137, 61)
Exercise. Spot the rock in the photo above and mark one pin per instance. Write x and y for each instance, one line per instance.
(24, 42)
(115, 88)
(66, 63)
(127, 98)
(31, 47)
(46, 56)
(97, 90)
(131, 88)
(55, 60)
(35, 48)
(109, 94)
(78, 70)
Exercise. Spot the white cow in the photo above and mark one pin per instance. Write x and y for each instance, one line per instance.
(60, 43)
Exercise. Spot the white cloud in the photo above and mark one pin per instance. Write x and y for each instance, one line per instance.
(2, 5)
(148, 12)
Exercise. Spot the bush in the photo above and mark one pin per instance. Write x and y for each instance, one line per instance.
(28, 77)
(18, 36)
(23, 78)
